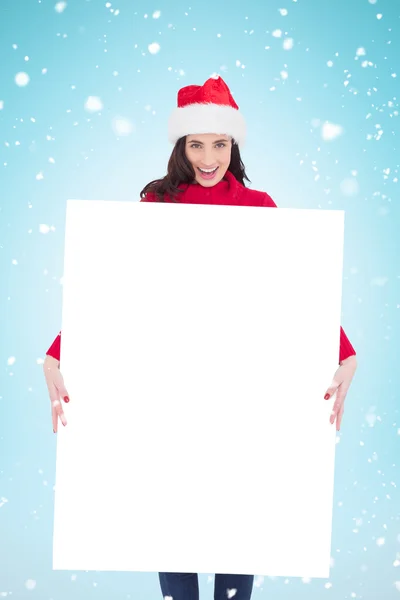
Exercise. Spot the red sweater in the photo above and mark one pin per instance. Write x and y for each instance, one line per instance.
(227, 192)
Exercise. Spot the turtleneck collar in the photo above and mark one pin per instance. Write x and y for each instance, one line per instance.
(196, 193)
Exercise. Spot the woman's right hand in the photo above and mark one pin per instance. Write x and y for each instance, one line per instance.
(57, 390)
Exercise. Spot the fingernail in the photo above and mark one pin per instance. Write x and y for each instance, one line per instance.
(66, 399)
(327, 396)
(54, 430)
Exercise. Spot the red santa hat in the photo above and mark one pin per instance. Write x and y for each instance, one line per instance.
(209, 108)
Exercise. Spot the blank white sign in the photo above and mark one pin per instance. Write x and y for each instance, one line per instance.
(198, 342)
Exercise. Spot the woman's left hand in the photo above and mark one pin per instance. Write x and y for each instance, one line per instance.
(340, 384)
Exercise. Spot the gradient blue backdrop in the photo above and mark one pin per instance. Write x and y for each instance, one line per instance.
(52, 149)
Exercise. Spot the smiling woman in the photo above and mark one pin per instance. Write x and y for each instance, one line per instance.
(209, 157)
(205, 167)
(205, 159)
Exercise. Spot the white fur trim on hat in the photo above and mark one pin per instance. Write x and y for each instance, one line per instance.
(206, 118)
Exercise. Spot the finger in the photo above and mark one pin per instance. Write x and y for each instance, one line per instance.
(54, 400)
(337, 406)
(339, 403)
(332, 389)
(340, 397)
(51, 380)
(339, 418)
(60, 413)
(60, 385)
(54, 418)
(63, 419)
(54, 376)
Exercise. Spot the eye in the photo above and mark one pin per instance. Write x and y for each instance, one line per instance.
(219, 145)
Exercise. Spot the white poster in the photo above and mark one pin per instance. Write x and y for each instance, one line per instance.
(197, 345)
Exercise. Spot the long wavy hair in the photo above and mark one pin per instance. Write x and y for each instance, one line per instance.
(180, 171)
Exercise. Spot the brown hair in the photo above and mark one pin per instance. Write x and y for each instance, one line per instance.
(180, 171)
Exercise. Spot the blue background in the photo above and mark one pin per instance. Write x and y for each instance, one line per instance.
(91, 50)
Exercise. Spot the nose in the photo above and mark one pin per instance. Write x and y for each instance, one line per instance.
(208, 158)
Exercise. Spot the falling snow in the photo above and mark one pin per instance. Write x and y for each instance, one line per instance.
(154, 48)
(349, 186)
(330, 131)
(22, 79)
(122, 126)
(30, 584)
(60, 7)
(380, 541)
(93, 104)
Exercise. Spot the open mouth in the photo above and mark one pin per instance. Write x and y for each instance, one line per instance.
(207, 173)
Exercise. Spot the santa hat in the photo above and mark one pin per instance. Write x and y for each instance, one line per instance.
(209, 108)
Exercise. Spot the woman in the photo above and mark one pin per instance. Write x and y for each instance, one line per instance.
(205, 168)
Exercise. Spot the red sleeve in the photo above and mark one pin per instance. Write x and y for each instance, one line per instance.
(267, 201)
(54, 349)
(346, 349)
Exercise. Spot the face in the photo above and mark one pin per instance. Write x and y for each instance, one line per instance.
(210, 155)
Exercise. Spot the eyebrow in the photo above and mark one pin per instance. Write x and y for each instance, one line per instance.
(216, 142)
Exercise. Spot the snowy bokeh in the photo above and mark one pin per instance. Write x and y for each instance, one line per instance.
(288, 44)
(22, 79)
(30, 584)
(331, 131)
(122, 126)
(154, 48)
(60, 7)
(349, 186)
(93, 104)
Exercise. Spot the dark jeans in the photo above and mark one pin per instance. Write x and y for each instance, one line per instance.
(185, 586)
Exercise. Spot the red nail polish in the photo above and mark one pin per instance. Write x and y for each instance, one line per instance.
(327, 396)
(66, 399)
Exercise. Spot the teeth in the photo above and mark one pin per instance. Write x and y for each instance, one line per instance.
(208, 170)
